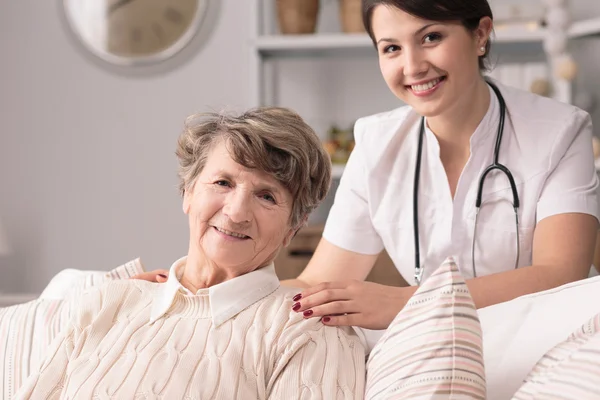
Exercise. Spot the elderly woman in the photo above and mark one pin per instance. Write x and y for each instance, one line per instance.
(221, 327)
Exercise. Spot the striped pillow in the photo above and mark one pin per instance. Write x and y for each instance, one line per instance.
(27, 330)
(571, 370)
(433, 348)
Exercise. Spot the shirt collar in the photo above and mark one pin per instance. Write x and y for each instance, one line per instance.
(227, 299)
(488, 124)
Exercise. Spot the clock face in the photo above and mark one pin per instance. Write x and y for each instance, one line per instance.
(134, 31)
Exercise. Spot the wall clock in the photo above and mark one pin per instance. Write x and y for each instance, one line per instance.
(133, 32)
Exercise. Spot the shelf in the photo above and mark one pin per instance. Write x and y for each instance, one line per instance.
(282, 45)
(337, 170)
(296, 45)
(337, 43)
(585, 28)
(507, 35)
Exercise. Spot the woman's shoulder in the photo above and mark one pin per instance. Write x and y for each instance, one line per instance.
(122, 296)
(287, 326)
(388, 123)
(544, 128)
(531, 107)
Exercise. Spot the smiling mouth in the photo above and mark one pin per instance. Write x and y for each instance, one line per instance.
(426, 86)
(231, 233)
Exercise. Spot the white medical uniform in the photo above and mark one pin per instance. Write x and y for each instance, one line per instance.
(547, 145)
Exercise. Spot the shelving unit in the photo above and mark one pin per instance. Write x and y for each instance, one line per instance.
(324, 44)
(586, 28)
(267, 47)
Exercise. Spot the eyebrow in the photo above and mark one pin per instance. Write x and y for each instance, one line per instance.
(269, 188)
(260, 185)
(421, 29)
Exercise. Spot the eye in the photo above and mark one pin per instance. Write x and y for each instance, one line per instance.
(390, 49)
(222, 182)
(268, 197)
(432, 37)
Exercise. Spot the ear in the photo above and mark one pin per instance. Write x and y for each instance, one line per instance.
(188, 195)
(483, 31)
(293, 231)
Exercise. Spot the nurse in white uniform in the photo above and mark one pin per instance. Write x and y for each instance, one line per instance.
(414, 192)
(542, 235)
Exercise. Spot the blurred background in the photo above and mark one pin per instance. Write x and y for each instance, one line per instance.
(94, 94)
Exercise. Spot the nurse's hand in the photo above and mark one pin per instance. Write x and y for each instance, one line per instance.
(353, 303)
(158, 275)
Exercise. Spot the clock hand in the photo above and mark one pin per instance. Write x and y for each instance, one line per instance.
(115, 6)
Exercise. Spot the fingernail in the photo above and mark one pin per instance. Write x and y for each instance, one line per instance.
(163, 275)
(297, 297)
(326, 319)
(296, 307)
(307, 313)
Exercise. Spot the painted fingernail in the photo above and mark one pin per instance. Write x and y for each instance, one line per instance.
(297, 297)
(307, 313)
(163, 275)
(296, 307)
(326, 319)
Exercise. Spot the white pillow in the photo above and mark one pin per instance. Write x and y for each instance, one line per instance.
(516, 334)
(61, 284)
(71, 282)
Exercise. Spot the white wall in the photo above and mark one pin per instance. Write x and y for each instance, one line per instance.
(87, 170)
(87, 165)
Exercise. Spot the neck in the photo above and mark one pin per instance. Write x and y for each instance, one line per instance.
(200, 272)
(455, 127)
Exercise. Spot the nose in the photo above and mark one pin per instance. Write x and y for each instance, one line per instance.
(414, 63)
(238, 207)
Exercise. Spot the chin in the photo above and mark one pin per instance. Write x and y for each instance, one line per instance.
(428, 111)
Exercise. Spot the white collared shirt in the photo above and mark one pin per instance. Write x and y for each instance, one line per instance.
(546, 145)
(226, 299)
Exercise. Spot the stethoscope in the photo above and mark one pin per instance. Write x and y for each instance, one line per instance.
(494, 166)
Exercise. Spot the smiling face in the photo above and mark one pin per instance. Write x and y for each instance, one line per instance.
(432, 66)
(239, 218)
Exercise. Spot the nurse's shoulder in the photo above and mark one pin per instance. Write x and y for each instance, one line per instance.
(384, 132)
(541, 117)
(385, 125)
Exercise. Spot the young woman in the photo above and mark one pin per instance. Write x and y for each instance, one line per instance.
(501, 179)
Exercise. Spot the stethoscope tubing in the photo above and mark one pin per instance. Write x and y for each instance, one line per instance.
(419, 269)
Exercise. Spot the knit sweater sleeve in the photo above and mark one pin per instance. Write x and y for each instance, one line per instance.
(48, 381)
(324, 363)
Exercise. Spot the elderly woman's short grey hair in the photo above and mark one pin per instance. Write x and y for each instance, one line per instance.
(274, 140)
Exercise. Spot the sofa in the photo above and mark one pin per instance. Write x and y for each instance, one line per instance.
(517, 335)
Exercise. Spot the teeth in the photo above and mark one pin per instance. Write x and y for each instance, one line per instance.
(427, 86)
(237, 235)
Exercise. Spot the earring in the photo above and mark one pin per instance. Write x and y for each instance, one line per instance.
(482, 49)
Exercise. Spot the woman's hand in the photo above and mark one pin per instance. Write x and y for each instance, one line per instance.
(356, 303)
(158, 275)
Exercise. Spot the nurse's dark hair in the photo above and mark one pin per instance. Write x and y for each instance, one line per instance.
(468, 12)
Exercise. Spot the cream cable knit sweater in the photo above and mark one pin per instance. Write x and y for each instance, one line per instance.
(112, 351)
